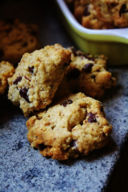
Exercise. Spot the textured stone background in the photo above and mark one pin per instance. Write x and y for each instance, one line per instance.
(22, 169)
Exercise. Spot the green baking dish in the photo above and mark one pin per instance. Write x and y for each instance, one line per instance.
(111, 42)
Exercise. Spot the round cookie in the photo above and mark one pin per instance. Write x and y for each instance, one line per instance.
(6, 71)
(37, 77)
(16, 39)
(71, 128)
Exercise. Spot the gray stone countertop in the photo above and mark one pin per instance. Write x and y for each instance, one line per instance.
(23, 169)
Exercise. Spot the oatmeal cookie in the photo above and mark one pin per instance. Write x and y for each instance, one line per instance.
(6, 71)
(74, 126)
(37, 77)
(16, 39)
(88, 74)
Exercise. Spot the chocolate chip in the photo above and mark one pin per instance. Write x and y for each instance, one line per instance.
(112, 5)
(31, 69)
(73, 74)
(17, 80)
(23, 93)
(86, 11)
(41, 147)
(66, 64)
(67, 102)
(87, 68)
(93, 76)
(91, 118)
(123, 10)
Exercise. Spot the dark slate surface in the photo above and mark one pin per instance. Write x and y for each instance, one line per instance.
(22, 169)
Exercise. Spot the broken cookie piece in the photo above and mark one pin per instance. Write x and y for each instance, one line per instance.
(88, 74)
(37, 77)
(72, 127)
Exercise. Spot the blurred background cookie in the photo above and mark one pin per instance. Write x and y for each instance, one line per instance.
(17, 38)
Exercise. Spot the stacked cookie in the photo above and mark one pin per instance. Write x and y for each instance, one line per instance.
(101, 14)
(50, 86)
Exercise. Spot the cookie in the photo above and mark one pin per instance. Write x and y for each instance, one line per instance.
(73, 127)
(88, 74)
(37, 77)
(112, 12)
(103, 14)
(6, 71)
(16, 39)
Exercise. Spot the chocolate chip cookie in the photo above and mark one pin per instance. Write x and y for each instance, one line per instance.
(16, 39)
(86, 73)
(73, 127)
(37, 77)
(102, 14)
(6, 71)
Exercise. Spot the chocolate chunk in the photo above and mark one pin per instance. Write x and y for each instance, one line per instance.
(86, 11)
(112, 5)
(17, 80)
(31, 69)
(66, 64)
(91, 118)
(87, 68)
(123, 10)
(93, 76)
(67, 102)
(41, 147)
(73, 74)
(23, 93)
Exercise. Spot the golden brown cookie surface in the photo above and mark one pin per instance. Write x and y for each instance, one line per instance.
(37, 77)
(74, 126)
